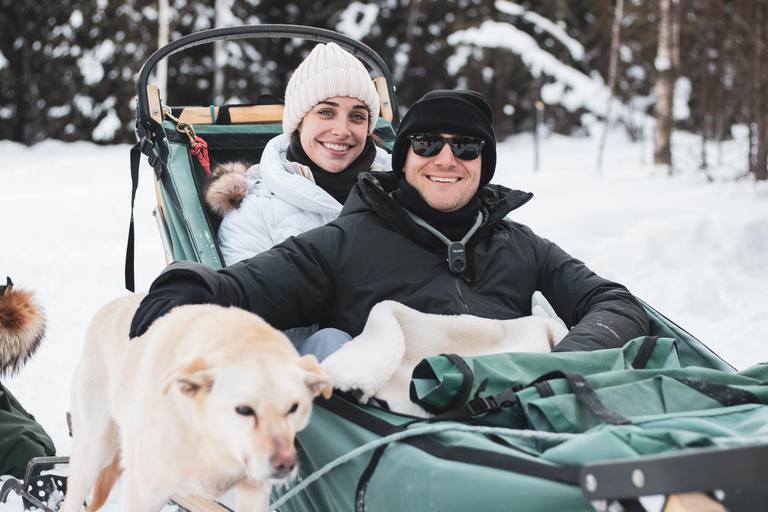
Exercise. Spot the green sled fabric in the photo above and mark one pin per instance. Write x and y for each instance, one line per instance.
(442, 383)
(546, 401)
(533, 463)
(639, 393)
(21, 437)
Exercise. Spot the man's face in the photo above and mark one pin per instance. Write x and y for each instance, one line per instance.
(445, 182)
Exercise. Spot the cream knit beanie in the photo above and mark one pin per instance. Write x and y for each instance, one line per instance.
(327, 72)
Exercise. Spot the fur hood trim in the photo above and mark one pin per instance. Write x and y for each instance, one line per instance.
(226, 187)
(22, 327)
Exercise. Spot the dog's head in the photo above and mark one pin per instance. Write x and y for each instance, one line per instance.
(251, 395)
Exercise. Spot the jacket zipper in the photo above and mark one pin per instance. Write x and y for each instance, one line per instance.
(461, 297)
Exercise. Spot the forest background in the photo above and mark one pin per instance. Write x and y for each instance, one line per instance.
(68, 67)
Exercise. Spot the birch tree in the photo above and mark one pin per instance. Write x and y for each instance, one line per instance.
(161, 70)
(612, 66)
(664, 87)
(760, 118)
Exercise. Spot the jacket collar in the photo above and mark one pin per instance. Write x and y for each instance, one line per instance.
(371, 193)
(373, 188)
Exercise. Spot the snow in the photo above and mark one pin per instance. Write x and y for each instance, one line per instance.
(572, 88)
(680, 109)
(107, 127)
(357, 20)
(695, 249)
(543, 24)
(90, 63)
(76, 19)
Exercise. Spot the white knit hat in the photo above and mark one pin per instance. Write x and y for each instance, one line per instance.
(327, 72)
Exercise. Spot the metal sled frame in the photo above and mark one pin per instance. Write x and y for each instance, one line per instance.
(736, 477)
(33, 485)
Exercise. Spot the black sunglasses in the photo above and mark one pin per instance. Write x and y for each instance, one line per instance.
(431, 144)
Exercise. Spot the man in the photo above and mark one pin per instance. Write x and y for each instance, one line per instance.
(432, 235)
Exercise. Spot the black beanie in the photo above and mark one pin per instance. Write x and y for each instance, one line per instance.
(455, 112)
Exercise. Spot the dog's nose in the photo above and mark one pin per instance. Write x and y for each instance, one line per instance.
(284, 461)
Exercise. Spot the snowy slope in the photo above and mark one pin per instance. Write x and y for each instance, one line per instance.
(694, 249)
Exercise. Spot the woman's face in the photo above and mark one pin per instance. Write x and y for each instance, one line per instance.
(333, 133)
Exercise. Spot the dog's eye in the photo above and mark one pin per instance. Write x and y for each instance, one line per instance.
(293, 408)
(245, 410)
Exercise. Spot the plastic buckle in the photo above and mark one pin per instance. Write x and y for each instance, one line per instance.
(482, 405)
(146, 146)
(153, 157)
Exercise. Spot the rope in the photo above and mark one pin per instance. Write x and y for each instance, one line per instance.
(413, 432)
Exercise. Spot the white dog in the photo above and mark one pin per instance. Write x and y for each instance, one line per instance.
(208, 399)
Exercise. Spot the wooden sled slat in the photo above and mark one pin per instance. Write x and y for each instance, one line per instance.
(386, 102)
(254, 114)
(692, 502)
(198, 504)
(155, 108)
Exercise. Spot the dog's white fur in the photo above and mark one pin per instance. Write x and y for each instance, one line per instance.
(172, 408)
(380, 361)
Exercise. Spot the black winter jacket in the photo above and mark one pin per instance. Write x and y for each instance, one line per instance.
(333, 275)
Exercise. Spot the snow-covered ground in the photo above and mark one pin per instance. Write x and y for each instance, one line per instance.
(695, 249)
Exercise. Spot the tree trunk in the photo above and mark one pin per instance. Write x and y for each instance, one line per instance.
(161, 69)
(761, 118)
(664, 87)
(27, 92)
(612, 65)
(219, 53)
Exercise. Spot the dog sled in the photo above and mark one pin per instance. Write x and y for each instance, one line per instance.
(663, 424)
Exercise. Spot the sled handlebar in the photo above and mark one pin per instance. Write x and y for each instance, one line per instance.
(356, 48)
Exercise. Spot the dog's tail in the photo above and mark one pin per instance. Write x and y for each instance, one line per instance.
(104, 483)
(22, 327)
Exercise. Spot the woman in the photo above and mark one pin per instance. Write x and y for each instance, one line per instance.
(306, 174)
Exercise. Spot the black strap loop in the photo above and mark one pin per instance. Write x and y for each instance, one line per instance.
(645, 352)
(130, 284)
(147, 147)
(362, 484)
(586, 395)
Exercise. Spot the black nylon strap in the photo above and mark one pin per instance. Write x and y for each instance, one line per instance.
(130, 284)
(728, 396)
(468, 379)
(644, 354)
(362, 484)
(476, 407)
(586, 395)
(147, 147)
(544, 389)
(537, 469)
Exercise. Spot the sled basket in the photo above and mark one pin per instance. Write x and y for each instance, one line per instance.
(672, 409)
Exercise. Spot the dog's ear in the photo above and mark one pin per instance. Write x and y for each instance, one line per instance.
(191, 377)
(318, 382)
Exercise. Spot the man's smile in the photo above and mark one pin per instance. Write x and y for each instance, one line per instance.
(438, 179)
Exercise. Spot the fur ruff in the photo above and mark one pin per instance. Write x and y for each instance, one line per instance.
(22, 327)
(226, 187)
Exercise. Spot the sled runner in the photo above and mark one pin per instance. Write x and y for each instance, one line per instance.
(663, 417)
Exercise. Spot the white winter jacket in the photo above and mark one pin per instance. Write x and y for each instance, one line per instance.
(283, 200)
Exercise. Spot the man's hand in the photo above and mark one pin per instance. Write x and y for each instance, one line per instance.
(164, 297)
